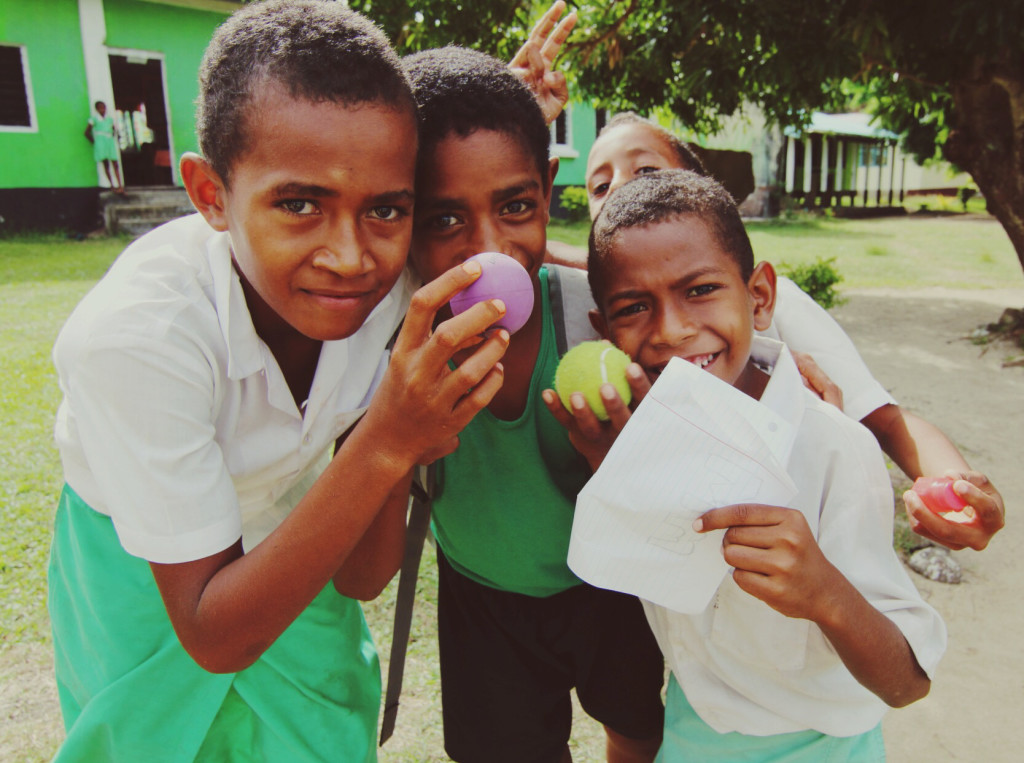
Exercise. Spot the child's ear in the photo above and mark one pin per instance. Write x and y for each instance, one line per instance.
(762, 290)
(205, 188)
(599, 323)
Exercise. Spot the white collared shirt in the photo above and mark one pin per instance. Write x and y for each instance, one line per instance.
(176, 419)
(807, 327)
(745, 667)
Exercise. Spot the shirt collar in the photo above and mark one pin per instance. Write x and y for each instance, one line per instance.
(245, 357)
(244, 346)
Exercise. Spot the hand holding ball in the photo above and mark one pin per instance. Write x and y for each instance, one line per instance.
(585, 368)
(502, 278)
(938, 496)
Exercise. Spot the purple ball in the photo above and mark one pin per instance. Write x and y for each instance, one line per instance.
(502, 278)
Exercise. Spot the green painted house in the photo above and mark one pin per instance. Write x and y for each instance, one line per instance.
(57, 58)
(141, 58)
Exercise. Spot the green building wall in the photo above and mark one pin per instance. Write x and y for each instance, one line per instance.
(583, 128)
(56, 155)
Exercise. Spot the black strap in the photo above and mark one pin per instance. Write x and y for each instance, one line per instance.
(415, 533)
(556, 299)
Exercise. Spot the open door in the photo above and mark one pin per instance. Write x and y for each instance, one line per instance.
(141, 116)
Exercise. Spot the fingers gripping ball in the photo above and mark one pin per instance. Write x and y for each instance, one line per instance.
(585, 368)
(502, 278)
(938, 496)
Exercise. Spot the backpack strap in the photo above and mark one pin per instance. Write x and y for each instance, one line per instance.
(422, 493)
(569, 294)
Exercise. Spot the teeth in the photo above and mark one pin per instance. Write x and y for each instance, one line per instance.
(703, 360)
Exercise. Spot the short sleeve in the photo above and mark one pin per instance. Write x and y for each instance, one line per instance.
(807, 327)
(856, 536)
(144, 413)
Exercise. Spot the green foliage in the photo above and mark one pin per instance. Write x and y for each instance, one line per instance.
(817, 279)
(947, 75)
(498, 27)
(575, 203)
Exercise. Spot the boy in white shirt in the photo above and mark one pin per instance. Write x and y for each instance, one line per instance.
(818, 628)
(207, 378)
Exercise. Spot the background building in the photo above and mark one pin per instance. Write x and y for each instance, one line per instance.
(57, 58)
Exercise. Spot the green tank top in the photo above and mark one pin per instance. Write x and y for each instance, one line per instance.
(507, 494)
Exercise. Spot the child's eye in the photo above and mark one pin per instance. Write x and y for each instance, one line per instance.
(631, 309)
(646, 170)
(299, 207)
(599, 190)
(442, 222)
(517, 207)
(387, 213)
(702, 290)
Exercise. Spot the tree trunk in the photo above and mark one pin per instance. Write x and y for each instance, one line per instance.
(988, 142)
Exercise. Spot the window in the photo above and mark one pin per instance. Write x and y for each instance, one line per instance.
(560, 129)
(16, 110)
(561, 135)
(872, 154)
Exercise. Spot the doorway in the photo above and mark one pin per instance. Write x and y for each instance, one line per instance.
(141, 118)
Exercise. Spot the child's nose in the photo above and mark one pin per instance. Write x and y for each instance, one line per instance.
(673, 327)
(487, 237)
(343, 251)
(619, 179)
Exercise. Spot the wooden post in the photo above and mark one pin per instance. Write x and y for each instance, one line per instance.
(892, 174)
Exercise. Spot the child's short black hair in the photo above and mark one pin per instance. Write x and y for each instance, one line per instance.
(687, 158)
(319, 50)
(460, 91)
(658, 197)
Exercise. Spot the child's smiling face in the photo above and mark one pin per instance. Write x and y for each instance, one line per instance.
(623, 153)
(479, 193)
(673, 291)
(319, 210)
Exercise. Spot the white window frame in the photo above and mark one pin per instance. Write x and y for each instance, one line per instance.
(563, 150)
(29, 96)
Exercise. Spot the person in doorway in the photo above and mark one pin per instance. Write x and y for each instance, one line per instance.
(102, 133)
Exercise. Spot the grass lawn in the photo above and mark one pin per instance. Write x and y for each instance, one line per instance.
(899, 252)
(42, 278)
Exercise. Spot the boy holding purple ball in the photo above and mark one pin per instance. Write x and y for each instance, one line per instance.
(517, 630)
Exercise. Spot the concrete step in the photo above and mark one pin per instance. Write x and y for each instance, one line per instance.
(140, 210)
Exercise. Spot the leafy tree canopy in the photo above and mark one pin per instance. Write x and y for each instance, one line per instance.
(948, 75)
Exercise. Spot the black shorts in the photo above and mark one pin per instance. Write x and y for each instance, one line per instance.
(509, 661)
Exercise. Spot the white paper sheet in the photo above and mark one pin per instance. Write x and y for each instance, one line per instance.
(694, 443)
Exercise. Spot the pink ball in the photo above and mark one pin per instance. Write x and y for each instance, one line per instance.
(502, 278)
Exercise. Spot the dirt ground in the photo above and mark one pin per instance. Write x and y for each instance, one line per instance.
(913, 342)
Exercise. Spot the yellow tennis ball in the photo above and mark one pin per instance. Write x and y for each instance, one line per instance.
(585, 368)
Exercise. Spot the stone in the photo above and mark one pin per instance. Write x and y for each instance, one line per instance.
(936, 564)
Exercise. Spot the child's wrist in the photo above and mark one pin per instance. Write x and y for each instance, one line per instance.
(379, 451)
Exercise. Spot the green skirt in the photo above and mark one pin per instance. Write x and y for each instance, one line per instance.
(688, 738)
(130, 692)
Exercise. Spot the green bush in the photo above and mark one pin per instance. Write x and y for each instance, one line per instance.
(574, 201)
(818, 279)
